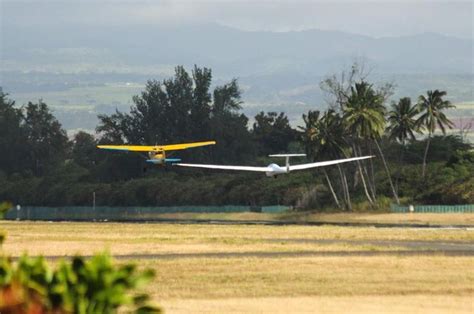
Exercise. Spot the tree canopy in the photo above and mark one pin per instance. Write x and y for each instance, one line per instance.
(40, 165)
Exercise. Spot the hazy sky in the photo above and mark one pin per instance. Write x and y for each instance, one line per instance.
(375, 18)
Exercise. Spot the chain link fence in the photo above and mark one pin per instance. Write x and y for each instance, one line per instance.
(79, 213)
(469, 208)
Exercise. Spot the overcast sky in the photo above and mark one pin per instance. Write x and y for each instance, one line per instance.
(376, 18)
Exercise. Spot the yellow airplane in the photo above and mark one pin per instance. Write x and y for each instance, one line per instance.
(157, 153)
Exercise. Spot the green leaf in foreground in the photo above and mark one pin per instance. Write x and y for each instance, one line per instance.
(82, 285)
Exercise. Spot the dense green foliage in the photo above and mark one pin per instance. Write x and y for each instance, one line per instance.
(40, 166)
(81, 286)
(181, 110)
(272, 132)
(32, 140)
(93, 285)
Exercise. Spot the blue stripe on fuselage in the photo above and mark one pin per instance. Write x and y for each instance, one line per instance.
(154, 161)
(160, 161)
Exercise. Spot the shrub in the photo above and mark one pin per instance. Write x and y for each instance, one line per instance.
(81, 286)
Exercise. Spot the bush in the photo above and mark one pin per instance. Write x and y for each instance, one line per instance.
(80, 286)
(382, 204)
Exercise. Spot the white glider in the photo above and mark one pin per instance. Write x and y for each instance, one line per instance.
(273, 170)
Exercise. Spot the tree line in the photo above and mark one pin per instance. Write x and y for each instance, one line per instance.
(357, 122)
(40, 165)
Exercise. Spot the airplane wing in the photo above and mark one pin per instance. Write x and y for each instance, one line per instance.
(139, 148)
(240, 168)
(326, 163)
(127, 148)
(186, 145)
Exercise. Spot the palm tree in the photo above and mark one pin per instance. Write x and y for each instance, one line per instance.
(432, 116)
(323, 138)
(364, 112)
(364, 116)
(336, 146)
(402, 125)
(364, 119)
(402, 122)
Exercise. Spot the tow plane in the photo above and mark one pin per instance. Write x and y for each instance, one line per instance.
(272, 170)
(156, 153)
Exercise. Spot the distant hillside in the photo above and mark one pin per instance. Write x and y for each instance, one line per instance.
(235, 52)
(277, 71)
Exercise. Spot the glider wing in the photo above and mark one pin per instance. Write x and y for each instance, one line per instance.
(239, 168)
(326, 163)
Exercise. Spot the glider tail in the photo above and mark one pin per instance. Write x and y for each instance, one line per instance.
(287, 158)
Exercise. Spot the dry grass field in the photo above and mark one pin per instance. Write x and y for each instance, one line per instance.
(251, 268)
(363, 218)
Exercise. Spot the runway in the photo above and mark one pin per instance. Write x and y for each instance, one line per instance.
(425, 226)
(410, 248)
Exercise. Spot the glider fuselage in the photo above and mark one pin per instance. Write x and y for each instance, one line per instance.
(274, 170)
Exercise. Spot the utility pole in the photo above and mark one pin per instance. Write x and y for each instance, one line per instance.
(18, 207)
(93, 201)
(93, 205)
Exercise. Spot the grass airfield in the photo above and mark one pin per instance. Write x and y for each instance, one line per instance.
(254, 268)
(402, 219)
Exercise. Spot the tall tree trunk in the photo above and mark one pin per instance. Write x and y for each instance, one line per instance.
(426, 155)
(349, 204)
(388, 172)
(400, 160)
(363, 178)
(370, 185)
(332, 190)
(364, 184)
(370, 180)
(372, 172)
(345, 188)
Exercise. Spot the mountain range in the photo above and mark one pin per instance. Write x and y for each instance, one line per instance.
(277, 70)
